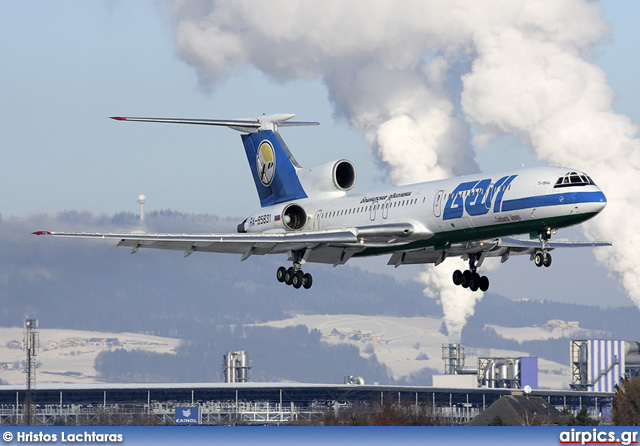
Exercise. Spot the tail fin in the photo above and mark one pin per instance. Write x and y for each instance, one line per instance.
(273, 168)
(272, 165)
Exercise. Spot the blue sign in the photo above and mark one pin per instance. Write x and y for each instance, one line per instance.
(187, 415)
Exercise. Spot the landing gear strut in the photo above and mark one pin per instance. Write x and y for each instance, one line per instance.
(470, 278)
(542, 257)
(294, 274)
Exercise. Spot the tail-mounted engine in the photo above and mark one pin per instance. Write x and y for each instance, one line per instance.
(336, 176)
(324, 181)
(294, 217)
(290, 217)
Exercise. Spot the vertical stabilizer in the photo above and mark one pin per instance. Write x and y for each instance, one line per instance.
(273, 168)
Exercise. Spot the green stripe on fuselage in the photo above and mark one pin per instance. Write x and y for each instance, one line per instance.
(444, 239)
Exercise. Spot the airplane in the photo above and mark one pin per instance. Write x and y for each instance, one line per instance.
(308, 214)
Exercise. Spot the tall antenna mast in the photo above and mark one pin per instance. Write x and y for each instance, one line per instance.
(30, 343)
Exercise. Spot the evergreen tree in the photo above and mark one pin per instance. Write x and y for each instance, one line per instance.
(626, 403)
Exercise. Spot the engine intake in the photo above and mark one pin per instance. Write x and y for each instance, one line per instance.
(294, 217)
(344, 175)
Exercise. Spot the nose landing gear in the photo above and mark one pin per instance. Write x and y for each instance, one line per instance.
(542, 257)
(470, 278)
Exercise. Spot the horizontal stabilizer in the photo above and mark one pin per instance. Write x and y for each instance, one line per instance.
(264, 122)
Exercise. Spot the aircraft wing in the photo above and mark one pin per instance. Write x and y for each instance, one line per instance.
(247, 244)
(334, 247)
(502, 247)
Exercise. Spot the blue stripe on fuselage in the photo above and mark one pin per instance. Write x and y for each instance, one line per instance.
(552, 200)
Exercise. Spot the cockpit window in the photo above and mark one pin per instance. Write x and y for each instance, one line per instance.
(574, 179)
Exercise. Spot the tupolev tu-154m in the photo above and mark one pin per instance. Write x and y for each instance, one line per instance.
(308, 214)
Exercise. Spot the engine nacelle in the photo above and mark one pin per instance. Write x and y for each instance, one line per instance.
(294, 217)
(335, 176)
(290, 217)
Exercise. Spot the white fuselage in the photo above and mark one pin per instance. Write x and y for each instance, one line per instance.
(473, 207)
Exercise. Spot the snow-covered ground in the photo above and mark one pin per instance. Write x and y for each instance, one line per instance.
(68, 356)
(535, 333)
(405, 345)
(409, 344)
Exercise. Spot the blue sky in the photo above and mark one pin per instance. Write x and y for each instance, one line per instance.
(68, 66)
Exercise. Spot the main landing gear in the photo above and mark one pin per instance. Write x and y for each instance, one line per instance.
(294, 274)
(292, 277)
(470, 278)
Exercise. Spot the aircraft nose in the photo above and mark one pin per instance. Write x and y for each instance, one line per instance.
(597, 202)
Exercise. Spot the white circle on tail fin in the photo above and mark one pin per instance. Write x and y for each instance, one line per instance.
(266, 163)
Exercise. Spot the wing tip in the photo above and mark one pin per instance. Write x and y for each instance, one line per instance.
(119, 118)
(41, 233)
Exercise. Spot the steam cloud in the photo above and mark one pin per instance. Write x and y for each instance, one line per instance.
(415, 76)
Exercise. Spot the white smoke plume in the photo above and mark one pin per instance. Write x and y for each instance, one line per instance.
(414, 76)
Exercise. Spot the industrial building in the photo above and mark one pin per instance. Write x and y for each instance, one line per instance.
(236, 367)
(493, 373)
(261, 403)
(464, 391)
(598, 365)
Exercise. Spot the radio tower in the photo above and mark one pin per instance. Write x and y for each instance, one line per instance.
(30, 345)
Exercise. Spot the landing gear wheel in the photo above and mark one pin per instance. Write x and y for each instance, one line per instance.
(466, 278)
(484, 283)
(474, 282)
(307, 281)
(297, 279)
(281, 273)
(547, 260)
(539, 259)
(288, 276)
(457, 277)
